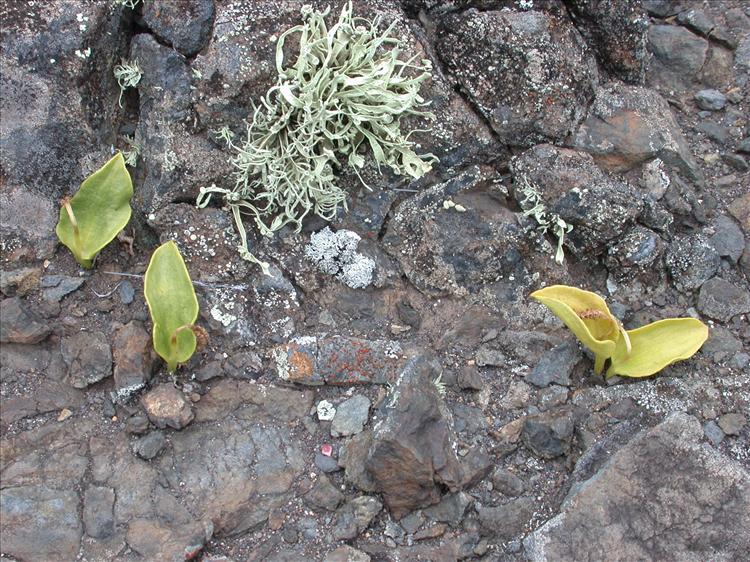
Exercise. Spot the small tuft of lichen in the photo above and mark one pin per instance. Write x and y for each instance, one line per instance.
(128, 74)
(534, 207)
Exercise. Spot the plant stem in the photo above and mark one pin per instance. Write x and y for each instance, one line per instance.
(599, 363)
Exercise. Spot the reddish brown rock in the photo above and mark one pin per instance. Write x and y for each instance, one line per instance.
(412, 453)
(19, 325)
(167, 406)
(133, 358)
(336, 361)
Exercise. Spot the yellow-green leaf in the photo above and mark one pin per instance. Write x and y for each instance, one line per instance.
(100, 209)
(174, 308)
(657, 345)
(586, 315)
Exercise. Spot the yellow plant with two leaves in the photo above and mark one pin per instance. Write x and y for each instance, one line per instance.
(632, 353)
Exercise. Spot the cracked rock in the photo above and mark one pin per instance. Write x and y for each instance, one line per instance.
(705, 515)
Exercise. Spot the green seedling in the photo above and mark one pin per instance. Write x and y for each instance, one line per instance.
(632, 353)
(173, 306)
(97, 212)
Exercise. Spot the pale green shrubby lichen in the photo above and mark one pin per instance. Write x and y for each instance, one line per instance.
(128, 74)
(346, 91)
(534, 207)
(126, 3)
(131, 155)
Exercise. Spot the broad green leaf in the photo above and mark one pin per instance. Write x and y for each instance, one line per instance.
(658, 345)
(174, 308)
(586, 315)
(101, 209)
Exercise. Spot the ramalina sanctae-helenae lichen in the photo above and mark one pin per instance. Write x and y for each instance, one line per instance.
(534, 207)
(127, 74)
(346, 91)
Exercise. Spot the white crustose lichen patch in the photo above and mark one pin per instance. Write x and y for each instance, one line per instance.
(335, 253)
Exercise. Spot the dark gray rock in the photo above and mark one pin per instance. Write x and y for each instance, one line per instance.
(713, 432)
(150, 445)
(40, 522)
(210, 370)
(185, 25)
(487, 356)
(617, 31)
(732, 424)
(412, 451)
(506, 521)
(326, 464)
(19, 325)
(133, 359)
(476, 466)
(728, 240)
(167, 406)
(451, 508)
(468, 419)
(88, 358)
(661, 8)
(679, 56)
(556, 365)
(470, 379)
(323, 495)
(55, 287)
(721, 300)
(710, 100)
(599, 207)
(629, 125)
(713, 131)
(542, 56)
(549, 435)
(351, 416)
(705, 515)
(443, 251)
(126, 292)
(744, 146)
(637, 253)
(736, 161)
(245, 365)
(354, 517)
(507, 483)
(137, 424)
(691, 261)
(176, 161)
(98, 512)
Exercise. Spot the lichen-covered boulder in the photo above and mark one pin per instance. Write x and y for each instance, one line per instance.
(599, 207)
(528, 73)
